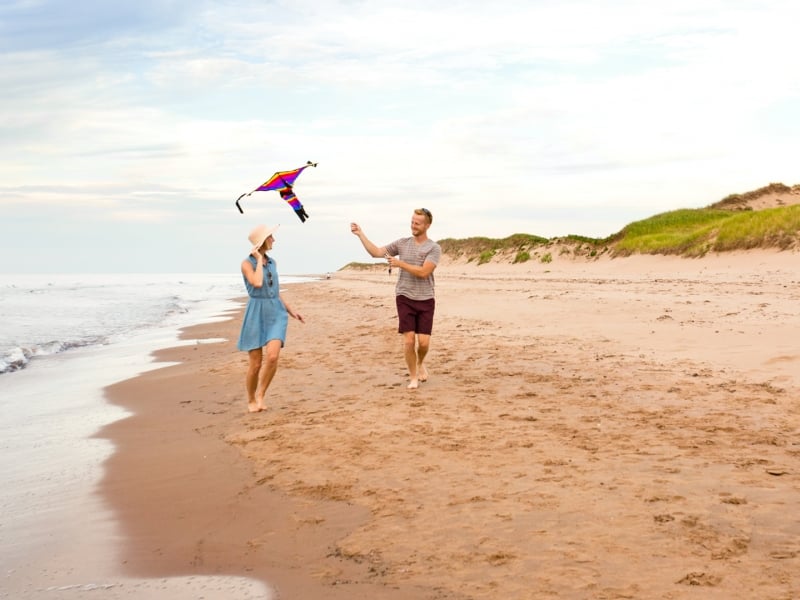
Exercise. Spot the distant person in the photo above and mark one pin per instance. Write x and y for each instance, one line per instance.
(416, 257)
(265, 317)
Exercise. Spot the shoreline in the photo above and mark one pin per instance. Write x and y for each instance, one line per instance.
(618, 428)
(58, 536)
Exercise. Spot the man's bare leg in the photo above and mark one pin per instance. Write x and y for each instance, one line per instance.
(410, 354)
(424, 344)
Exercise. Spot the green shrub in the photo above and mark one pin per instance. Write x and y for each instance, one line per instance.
(522, 256)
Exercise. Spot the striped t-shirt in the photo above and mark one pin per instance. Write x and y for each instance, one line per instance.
(408, 285)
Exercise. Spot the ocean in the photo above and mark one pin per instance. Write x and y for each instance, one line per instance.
(63, 338)
(44, 315)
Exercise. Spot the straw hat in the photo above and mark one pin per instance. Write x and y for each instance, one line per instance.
(260, 234)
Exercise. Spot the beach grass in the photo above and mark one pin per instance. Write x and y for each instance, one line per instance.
(777, 227)
(483, 249)
(683, 232)
(695, 232)
(728, 225)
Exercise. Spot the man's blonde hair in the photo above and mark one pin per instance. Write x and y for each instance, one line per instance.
(425, 213)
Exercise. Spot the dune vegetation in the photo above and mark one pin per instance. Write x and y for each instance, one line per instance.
(737, 222)
(694, 233)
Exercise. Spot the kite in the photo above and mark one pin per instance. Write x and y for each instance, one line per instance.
(283, 181)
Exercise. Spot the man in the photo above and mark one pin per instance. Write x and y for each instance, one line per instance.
(416, 257)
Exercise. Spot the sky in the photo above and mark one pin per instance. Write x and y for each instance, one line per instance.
(129, 129)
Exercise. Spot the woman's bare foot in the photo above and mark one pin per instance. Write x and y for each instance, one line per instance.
(252, 406)
(422, 372)
(414, 384)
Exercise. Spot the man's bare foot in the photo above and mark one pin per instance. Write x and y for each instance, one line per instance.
(422, 372)
(413, 385)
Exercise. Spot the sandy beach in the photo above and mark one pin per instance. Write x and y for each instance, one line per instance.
(621, 428)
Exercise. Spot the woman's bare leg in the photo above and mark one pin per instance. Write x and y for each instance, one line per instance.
(272, 354)
(251, 381)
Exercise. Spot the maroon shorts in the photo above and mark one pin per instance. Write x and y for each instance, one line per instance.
(415, 315)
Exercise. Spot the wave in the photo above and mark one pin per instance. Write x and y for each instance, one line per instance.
(19, 357)
(51, 314)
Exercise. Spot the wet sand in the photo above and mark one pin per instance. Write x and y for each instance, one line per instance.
(625, 428)
(58, 539)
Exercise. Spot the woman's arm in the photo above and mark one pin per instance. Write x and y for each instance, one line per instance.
(292, 313)
(255, 276)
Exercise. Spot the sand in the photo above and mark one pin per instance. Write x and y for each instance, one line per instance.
(625, 428)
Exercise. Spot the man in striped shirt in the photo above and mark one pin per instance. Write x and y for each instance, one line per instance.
(416, 257)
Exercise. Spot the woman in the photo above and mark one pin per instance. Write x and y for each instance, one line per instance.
(265, 318)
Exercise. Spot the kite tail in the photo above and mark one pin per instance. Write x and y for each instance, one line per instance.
(288, 195)
(237, 202)
(301, 213)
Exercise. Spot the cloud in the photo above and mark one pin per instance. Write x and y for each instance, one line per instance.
(516, 116)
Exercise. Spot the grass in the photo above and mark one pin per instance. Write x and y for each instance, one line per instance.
(522, 257)
(476, 246)
(483, 249)
(693, 233)
(772, 227)
(359, 266)
(724, 226)
(684, 232)
(734, 201)
(519, 247)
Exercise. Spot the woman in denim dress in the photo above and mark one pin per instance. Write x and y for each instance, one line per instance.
(265, 318)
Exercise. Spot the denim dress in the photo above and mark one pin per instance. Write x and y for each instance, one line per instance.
(265, 317)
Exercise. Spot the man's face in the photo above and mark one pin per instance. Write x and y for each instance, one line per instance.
(419, 224)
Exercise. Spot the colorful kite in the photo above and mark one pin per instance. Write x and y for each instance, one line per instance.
(283, 181)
